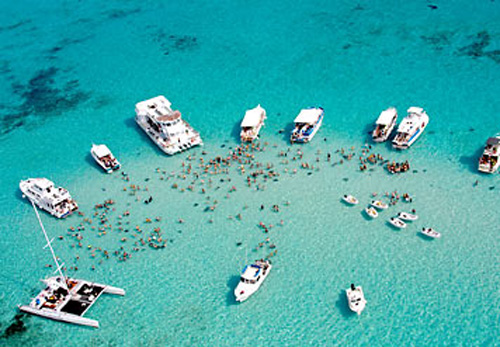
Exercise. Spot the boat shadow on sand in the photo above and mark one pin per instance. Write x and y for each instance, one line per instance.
(472, 162)
(235, 133)
(231, 284)
(286, 131)
(91, 161)
(130, 123)
(343, 306)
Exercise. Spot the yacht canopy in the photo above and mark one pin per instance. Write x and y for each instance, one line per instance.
(101, 150)
(386, 116)
(253, 117)
(493, 141)
(156, 106)
(309, 115)
(417, 110)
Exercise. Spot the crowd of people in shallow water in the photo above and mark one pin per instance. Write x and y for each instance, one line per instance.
(216, 179)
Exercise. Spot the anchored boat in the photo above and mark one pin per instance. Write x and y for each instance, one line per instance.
(489, 163)
(252, 123)
(307, 124)
(351, 200)
(251, 279)
(410, 129)
(165, 126)
(66, 299)
(105, 158)
(55, 200)
(385, 124)
(356, 298)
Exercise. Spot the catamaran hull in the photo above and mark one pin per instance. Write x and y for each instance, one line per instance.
(60, 316)
(172, 149)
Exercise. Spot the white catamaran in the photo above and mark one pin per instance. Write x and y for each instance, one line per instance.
(165, 126)
(66, 299)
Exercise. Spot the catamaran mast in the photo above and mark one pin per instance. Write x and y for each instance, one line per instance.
(49, 244)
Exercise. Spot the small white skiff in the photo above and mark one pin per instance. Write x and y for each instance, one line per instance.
(371, 212)
(105, 158)
(379, 204)
(356, 299)
(407, 216)
(431, 233)
(397, 223)
(351, 200)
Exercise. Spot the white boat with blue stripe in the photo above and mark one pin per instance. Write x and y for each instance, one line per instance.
(307, 124)
(410, 129)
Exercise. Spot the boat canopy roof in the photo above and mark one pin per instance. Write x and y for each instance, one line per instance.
(416, 115)
(417, 110)
(309, 115)
(386, 116)
(101, 150)
(43, 183)
(253, 117)
(157, 108)
(250, 272)
(493, 141)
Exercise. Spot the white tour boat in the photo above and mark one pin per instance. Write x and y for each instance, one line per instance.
(165, 126)
(66, 299)
(105, 158)
(385, 124)
(407, 216)
(431, 233)
(411, 128)
(307, 124)
(398, 223)
(251, 279)
(356, 298)
(252, 123)
(379, 204)
(351, 200)
(55, 200)
(489, 163)
(371, 212)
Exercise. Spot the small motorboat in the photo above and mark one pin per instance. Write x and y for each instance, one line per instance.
(356, 298)
(371, 212)
(398, 223)
(431, 233)
(489, 163)
(105, 158)
(251, 279)
(407, 216)
(379, 204)
(351, 200)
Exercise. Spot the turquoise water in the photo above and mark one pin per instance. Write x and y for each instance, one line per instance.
(71, 74)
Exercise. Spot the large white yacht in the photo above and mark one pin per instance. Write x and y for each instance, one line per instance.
(356, 298)
(105, 158)
(411, 128)
(251, 279)
(165, 126)
(66, 299)
(385, 124)
(252, 123)
(307, 124)
(55, 200)
(488, 163)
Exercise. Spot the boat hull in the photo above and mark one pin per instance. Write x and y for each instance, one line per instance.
(173, 148)
(60, 316)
